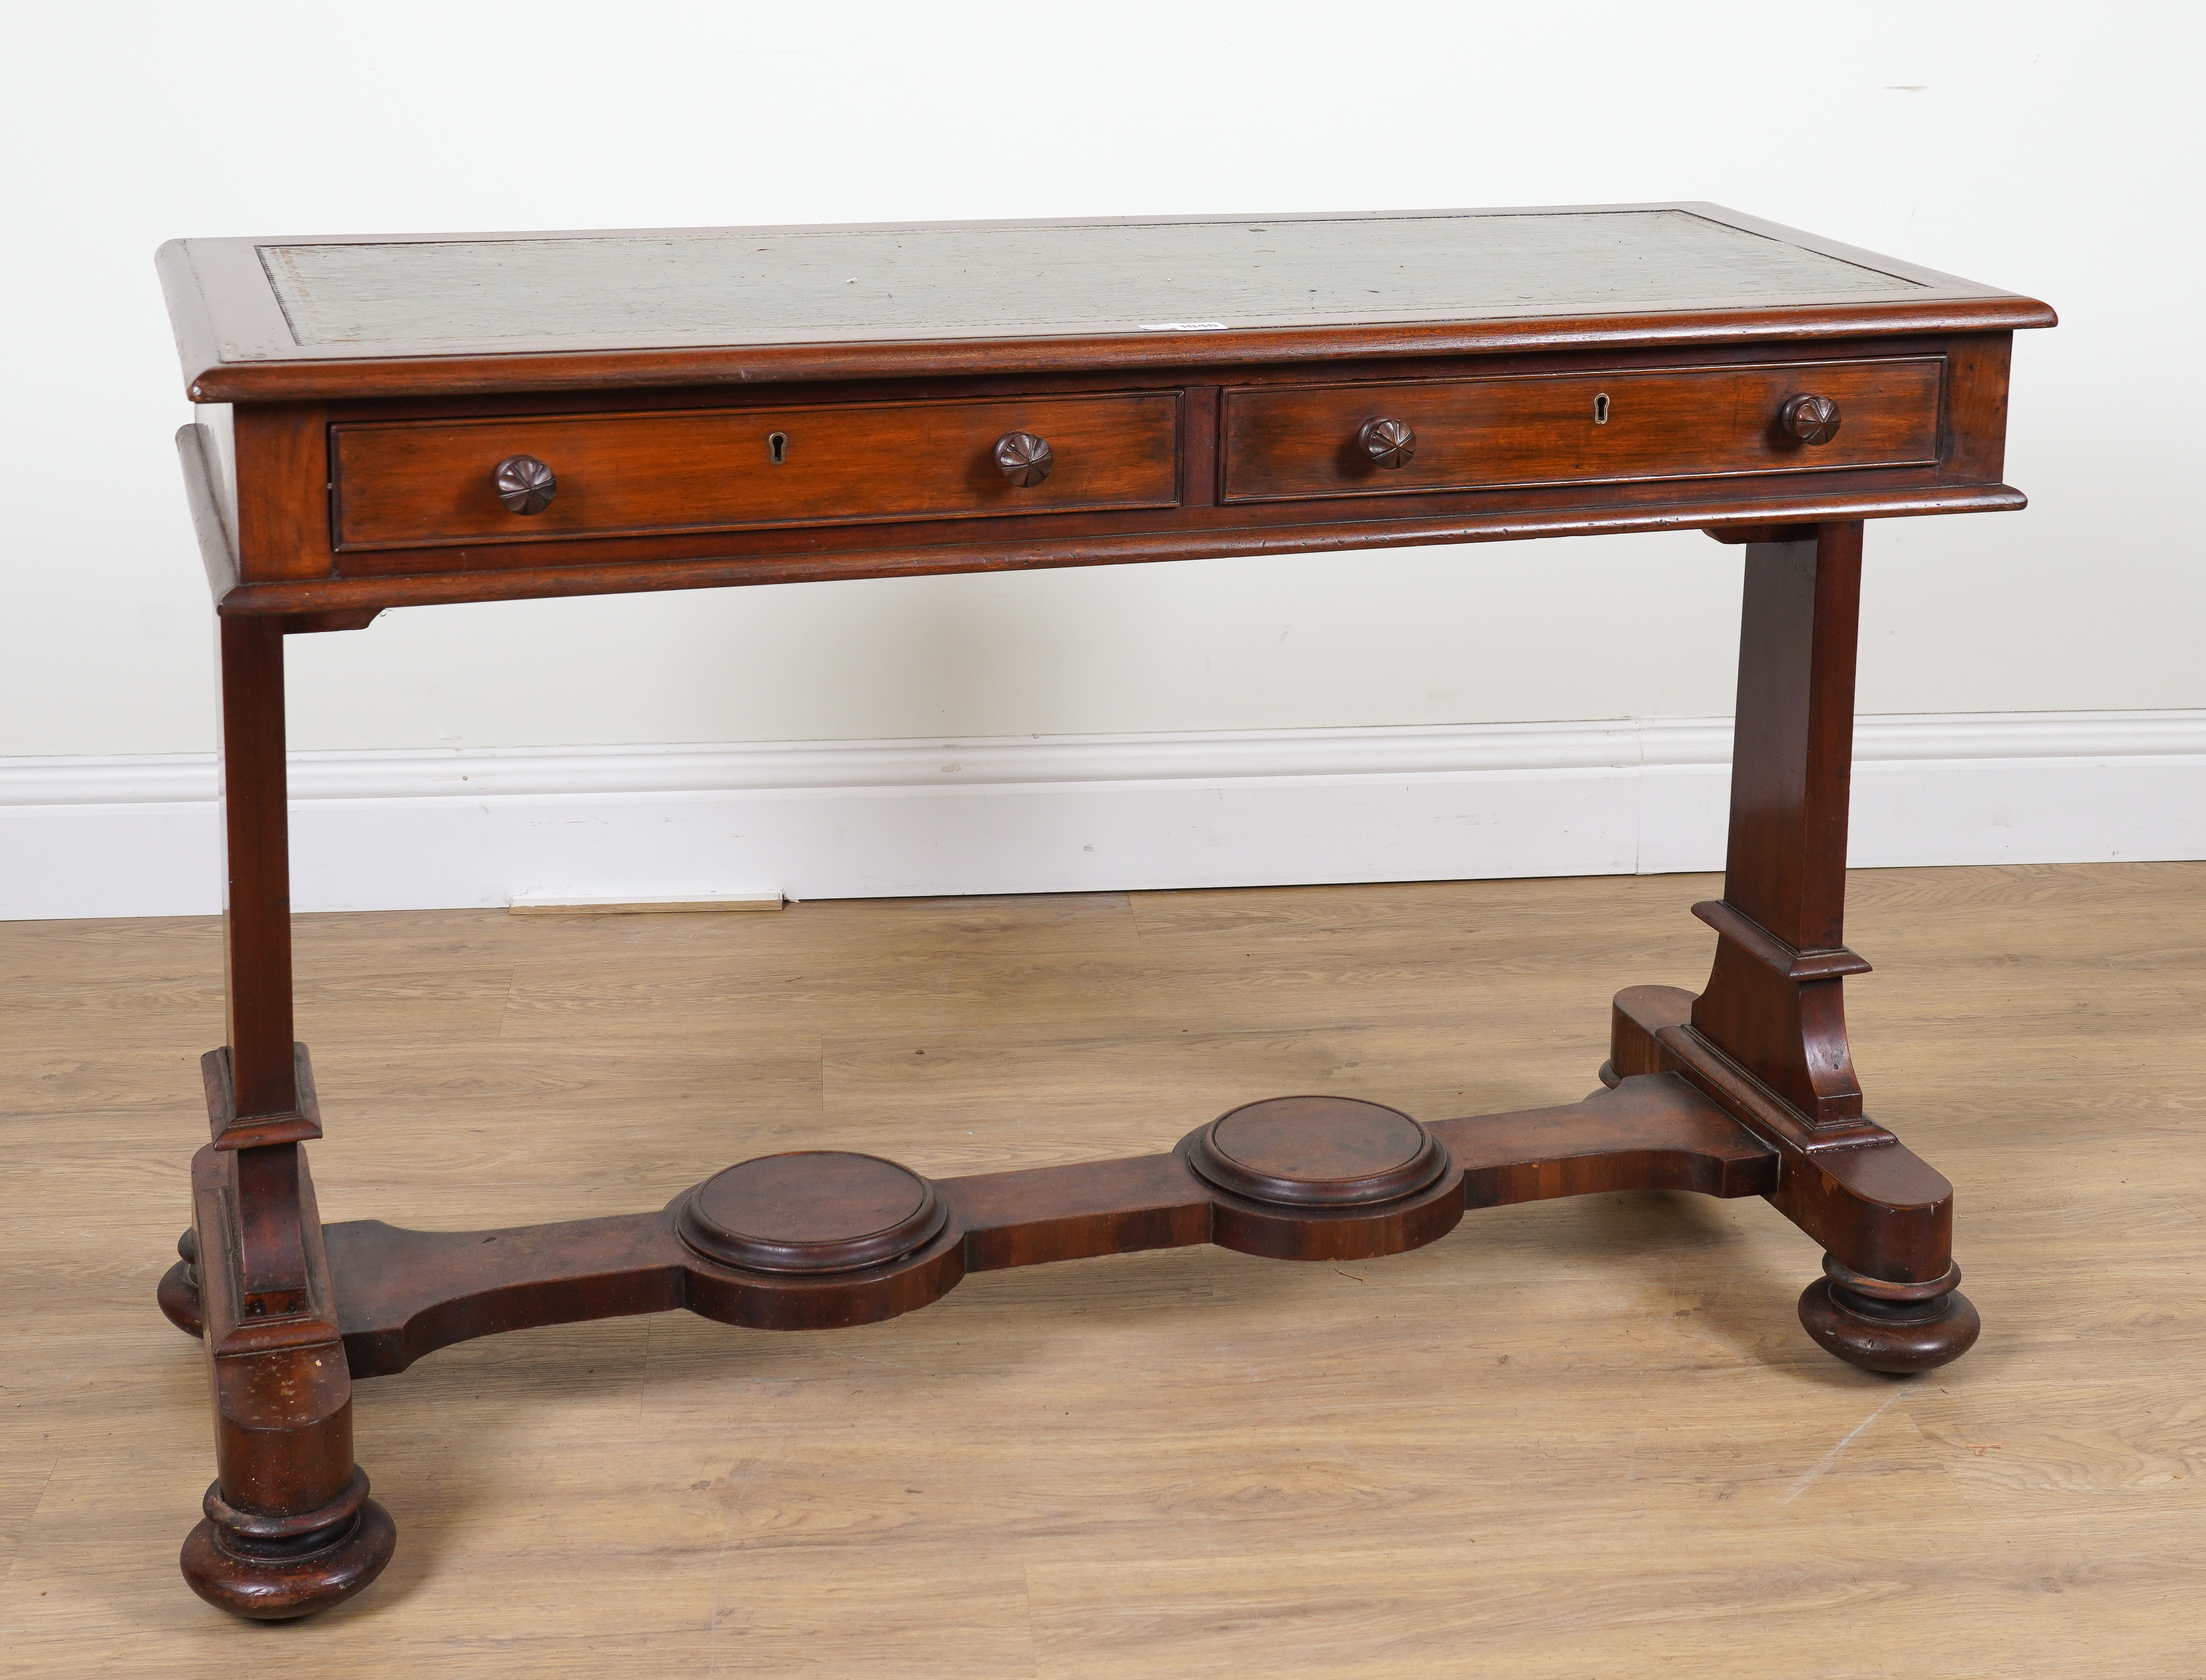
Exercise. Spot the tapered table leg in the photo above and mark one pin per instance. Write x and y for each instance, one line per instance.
(288, 1527)
(1767, 1036)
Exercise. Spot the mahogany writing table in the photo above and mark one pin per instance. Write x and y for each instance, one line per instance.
(401, 421)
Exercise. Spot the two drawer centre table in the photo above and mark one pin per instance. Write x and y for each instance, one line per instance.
(406, 421)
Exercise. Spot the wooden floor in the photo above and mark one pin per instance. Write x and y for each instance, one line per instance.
(1572, 1440)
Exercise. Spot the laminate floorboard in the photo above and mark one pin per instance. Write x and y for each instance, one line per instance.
(1571, 1439)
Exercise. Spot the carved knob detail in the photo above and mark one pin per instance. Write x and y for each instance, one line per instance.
(1024, 458)
(1812, 419)
(524, 484)
(1389, 443)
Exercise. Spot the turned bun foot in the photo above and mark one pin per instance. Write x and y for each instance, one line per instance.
(272, 1569)
(1895, 1328)
(178, 1291)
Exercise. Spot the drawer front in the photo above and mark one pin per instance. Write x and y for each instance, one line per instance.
(1282, 443)
(421, 483)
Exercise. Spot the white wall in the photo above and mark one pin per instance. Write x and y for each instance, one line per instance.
(2048, 148)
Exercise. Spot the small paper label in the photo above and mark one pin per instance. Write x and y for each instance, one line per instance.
(1182, 326)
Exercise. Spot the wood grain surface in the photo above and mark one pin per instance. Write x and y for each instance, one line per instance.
(399, 486)
(1481, 434)
(1571, 1438)
(394, 502)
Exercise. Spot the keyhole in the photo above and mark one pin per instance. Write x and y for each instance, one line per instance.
(1600, 412)
(777, 445)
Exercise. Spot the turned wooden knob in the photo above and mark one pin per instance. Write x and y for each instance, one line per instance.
(524, 484)
(1389, 443)
(1024, 458)
(1812, 419)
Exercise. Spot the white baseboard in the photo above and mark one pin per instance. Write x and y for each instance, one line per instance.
(111, 837)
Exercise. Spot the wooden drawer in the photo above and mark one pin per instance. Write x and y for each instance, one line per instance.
(1285, 443)
(416, 484)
